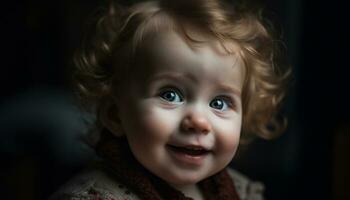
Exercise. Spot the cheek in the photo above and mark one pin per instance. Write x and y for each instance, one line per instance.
(153, 123)
(228, 134)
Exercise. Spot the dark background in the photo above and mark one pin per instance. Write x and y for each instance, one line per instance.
(39, 123)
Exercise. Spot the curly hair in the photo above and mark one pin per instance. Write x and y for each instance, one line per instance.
(118, 32)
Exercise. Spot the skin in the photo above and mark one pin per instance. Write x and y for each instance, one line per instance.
(182, 95)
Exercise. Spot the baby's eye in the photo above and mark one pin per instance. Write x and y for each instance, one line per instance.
(221, 103)
(171, 95)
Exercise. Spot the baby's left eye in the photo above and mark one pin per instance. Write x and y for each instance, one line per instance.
(221, 103)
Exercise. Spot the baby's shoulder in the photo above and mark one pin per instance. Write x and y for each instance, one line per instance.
(91, 185)
(246, 188)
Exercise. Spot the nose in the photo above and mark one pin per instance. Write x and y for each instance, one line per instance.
(195, 122)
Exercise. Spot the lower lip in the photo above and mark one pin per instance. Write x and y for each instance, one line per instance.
(187, 159)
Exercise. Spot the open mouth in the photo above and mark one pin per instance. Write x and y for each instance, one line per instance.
(189, 150)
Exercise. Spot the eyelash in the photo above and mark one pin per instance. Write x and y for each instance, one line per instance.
(228, 101)
(171, 89)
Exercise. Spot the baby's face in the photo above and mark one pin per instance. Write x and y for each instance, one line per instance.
(182, 111)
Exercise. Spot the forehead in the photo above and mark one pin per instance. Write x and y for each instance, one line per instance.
(181, 37)
(170, 52)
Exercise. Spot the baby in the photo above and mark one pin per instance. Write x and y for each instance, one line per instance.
(174, 84)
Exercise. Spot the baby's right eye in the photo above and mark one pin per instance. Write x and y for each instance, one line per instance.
(171, 95)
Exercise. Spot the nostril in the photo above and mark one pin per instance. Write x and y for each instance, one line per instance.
(190, 129)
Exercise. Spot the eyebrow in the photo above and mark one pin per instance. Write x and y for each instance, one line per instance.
(172, 75)
(230, 89)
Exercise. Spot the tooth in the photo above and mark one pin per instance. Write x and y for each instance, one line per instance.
(194, 148)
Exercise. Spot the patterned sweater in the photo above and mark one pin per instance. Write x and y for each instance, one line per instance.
(97, 184)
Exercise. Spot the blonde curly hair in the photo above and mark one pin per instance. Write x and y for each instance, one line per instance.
(119, 31)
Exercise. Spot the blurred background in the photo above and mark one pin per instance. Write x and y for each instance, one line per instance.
(39, 123)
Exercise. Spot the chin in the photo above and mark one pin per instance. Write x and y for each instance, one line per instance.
(184, 180)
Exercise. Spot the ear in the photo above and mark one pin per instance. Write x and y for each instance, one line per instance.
(109, 117)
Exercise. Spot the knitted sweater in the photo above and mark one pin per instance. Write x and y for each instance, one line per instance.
(96, 184)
